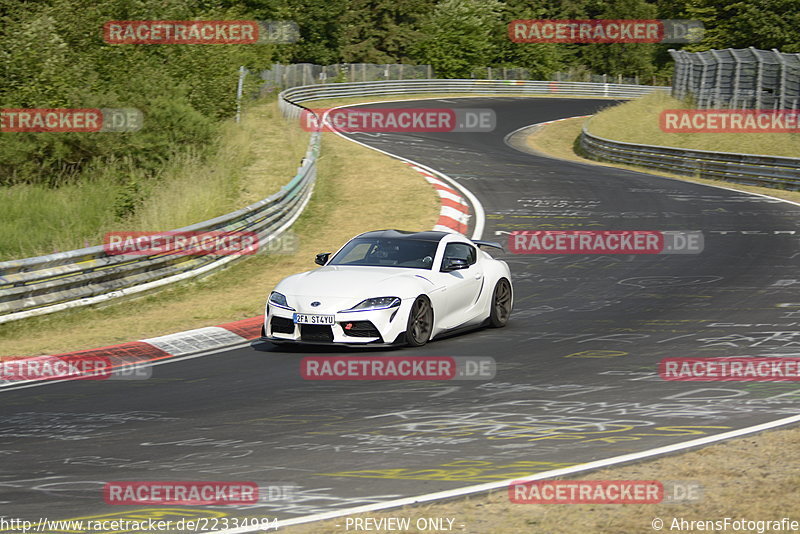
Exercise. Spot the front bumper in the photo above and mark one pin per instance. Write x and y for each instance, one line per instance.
(281, 341)
(373, 327)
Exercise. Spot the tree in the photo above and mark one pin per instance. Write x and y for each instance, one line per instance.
(766, 25)
(459, 35)
(626, 59)
(319, 22)
(542, 60)
(381, 31)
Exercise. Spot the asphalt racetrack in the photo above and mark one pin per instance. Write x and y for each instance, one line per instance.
(577, 364)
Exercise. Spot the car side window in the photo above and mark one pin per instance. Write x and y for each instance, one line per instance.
(461, 251)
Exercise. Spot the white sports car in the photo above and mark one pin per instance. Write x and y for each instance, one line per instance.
(390, 287)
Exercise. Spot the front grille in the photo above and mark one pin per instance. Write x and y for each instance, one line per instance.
(316, 332)
(360, 329)
(282, 325)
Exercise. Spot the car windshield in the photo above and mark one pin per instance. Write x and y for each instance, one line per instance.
(379, 252)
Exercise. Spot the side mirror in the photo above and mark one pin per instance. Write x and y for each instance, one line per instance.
(454, 264)
(322, 259)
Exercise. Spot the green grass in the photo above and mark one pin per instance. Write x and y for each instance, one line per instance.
(637, 121)
(246, 163)
(39, 220)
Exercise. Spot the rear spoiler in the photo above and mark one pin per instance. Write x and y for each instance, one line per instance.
(491, 244)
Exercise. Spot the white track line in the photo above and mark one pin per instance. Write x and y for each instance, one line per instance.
(480, 215)
(483, 488)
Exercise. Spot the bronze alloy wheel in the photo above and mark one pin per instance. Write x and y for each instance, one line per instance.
(420, 323)
(501, 304)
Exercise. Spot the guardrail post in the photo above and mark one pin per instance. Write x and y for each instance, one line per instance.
(782, 82)
(703, 90)
(737, 80)
(717, 100)
(759, 76)
(239, 87)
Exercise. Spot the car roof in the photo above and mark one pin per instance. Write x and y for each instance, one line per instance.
(431, 236)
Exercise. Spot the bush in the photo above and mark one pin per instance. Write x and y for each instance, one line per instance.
(53, 56)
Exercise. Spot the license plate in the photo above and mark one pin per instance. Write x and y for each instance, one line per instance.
(304, 318)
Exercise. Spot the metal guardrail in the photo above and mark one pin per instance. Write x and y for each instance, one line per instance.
(738, 78)
(307, 93)
(47, 284)
(752, 169)
(285, 76)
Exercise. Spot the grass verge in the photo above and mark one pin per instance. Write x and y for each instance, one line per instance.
(637, 121)
(754, 478)
(247, 162)
(558, 140)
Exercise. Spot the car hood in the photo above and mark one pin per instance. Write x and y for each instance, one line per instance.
(349, 281)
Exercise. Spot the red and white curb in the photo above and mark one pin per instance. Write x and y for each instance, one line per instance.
(197, 341)
(559, 120)
(454, 214)
(534, 127)
(452, 217)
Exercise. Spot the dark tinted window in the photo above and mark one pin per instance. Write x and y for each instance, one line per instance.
(377, 252)
(461, 251)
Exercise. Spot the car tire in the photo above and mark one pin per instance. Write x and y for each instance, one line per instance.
(420, 322)
(501, 304)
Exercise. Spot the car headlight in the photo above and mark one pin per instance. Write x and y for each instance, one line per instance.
(379, 303)
(279, 300)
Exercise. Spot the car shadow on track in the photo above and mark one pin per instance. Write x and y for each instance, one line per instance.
(295, 348)
(263, 345)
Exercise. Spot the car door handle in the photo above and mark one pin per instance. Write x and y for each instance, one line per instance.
(478, 276)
